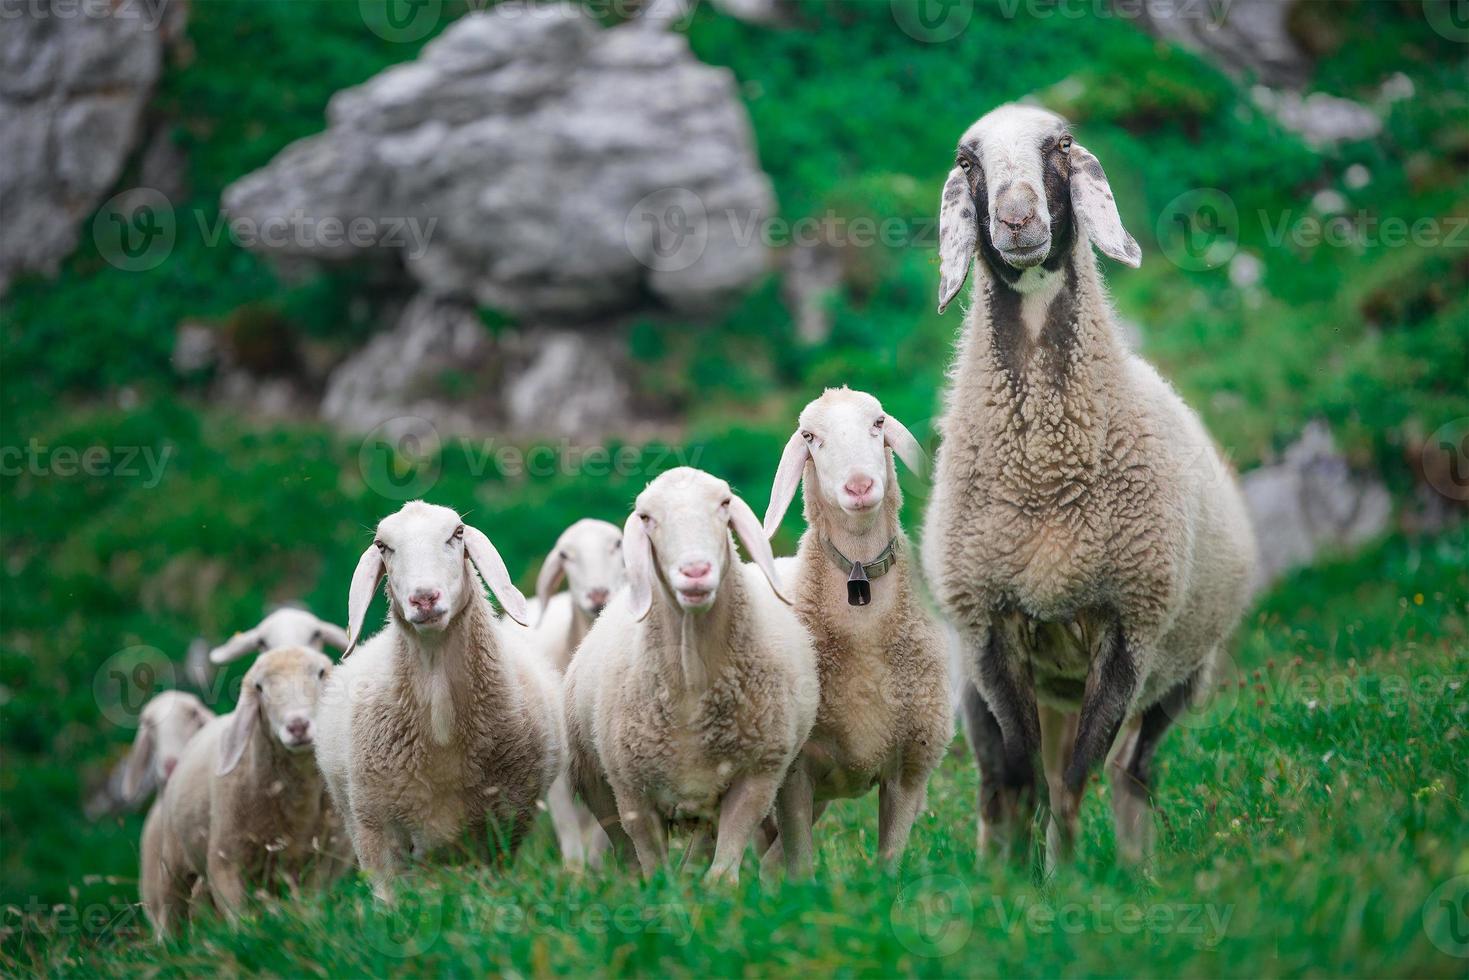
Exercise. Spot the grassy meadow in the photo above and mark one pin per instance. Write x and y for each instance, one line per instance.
(1313, 812)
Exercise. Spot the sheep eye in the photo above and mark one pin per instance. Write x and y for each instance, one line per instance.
(563, 556)
(1066, 142)
(724, 503)
(321, 673)
(964, 164)
(617, 545)
(808, 436)
(646, 518)
(879, 422)
(382, 546)
(259, 688)
(459, 531)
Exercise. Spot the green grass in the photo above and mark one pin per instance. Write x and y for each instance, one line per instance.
(1308, 811)
(1314, 833)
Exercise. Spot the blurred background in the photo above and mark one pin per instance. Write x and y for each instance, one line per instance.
(272, 267)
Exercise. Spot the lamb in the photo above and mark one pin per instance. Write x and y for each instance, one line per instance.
(165, 725)
(285, 627)
(246, 803)
(443, 727)
(884, 717)
(1084, 535)
(588, 556)
(696, 687)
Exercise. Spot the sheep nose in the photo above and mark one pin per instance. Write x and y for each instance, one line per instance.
(1017, 209)
(1013, 219)
(694, 569)
(858, 486)
(298, 727)
(598, 597)
(425, 599)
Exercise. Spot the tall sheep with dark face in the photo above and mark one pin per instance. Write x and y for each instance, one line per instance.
(1085, 536)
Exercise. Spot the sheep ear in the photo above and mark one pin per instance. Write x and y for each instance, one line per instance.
(958, 232)
(332, 634)
(236, 647)
(553, 570)
(242, 726)
(637, 557)
(757, 546)
(491, 568)
(137, 769)
(897, 438)
(787, 479)
(1096, 209)
(365, 580)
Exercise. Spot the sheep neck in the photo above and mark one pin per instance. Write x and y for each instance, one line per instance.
(693, 646)
(291, 778)
(451, 674)
(1034, 393)
(581, 624)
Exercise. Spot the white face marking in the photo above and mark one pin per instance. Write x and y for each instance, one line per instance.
(592, 557)
(685, 515)
(428, 577)
(1007, 141)
(844, 430)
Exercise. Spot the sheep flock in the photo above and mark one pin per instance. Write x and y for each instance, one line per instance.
(1084, 559)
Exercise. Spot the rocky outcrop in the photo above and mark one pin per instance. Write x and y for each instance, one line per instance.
(1311, 502)
(74, 81)
(1243, 37)
(536, 164)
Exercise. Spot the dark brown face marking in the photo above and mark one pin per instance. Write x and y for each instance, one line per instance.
(1056, 174)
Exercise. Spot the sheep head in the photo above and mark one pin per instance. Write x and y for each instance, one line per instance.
(167, 723)
(426, 552)
(588, 555)
(846, 436)
(282, 688)
(679, 535)
(1020, 189)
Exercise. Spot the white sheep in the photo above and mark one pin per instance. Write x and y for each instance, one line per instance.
(441, 729)
(246, 803)
(287, 626)
(697, 685)
(588, 557)
(885, 719)
(165, 725)
(1084, 535)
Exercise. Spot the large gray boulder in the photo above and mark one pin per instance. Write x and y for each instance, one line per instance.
(74, 81)
(531, 162)
(1312, 502)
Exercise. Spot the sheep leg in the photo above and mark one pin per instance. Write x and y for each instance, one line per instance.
(1058, 736)
(768, 845)
(226, 883)
(644, 824)
(745, 804)
(898, 803)
(567, 823)
(1132, 775)
(1004, 733)
(793, 816)
(378, 858)
(601, 801)
(1111, 683)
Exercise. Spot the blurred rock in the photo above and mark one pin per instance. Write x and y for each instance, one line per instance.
(534, 163)
(442, 363)
(73, 86)
(1242, 37)
(1319, 119)
(1310, 502)
(811, 275)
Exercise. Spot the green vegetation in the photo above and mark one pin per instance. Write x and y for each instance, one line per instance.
(1311, 811)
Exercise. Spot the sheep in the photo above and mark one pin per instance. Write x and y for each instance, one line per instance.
(443, 726)
(246, 803)
(1084, 534)
(285, 627)
(588, 556)
(884, 718)
(165, 725)
(697, 685)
